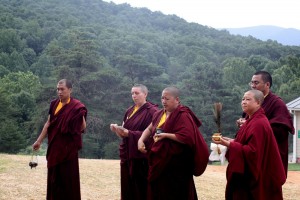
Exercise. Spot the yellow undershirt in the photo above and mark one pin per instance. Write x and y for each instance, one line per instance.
(60, 105)
(162, 120)
(134, 111)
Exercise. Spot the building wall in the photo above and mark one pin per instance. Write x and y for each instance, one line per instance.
(297, 133)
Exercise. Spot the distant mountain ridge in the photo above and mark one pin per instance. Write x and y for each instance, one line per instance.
(285, 36)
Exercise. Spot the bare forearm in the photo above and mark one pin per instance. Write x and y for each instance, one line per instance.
(146, 133)
(83, 124)
(41, 137)
(44, 131)
(145, 136)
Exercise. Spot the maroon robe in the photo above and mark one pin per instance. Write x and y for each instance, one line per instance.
(255, 170)
(134, 165)
(281, 123)
(64, 141)
(173, 164)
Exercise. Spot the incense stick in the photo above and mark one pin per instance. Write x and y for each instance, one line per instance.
(217, 115)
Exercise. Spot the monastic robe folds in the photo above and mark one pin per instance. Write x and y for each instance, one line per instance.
(255, 170)
(173, 164)
(281, 123)
(64, 141)
(134, 165)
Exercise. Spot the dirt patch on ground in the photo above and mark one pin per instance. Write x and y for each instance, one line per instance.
(100, 180)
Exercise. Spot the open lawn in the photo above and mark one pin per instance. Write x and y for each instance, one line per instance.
(100, 180)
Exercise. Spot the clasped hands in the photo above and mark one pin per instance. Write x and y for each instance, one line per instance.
(240, 122)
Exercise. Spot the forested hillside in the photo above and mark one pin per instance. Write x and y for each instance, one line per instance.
(105, 48)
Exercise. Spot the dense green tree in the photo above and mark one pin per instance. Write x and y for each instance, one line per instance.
(11, 138)
(111, 150)
(104, 49)
(16, 82)
(20, 90)
(10, 41)
(3, 71)
(136, 69)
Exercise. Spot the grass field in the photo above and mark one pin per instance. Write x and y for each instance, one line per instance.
(294, 167)
(100, 180)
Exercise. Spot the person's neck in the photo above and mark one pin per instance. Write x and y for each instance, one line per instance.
(140, 104)
(266, 92)
(64, 101)
(169, 112)
(252, 113)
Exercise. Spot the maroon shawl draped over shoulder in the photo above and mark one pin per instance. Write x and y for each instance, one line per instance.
(182, 122)
(255, 170)
(64, 131)
(135, 125)
(277, 112)
(281, 123)
(134, 166)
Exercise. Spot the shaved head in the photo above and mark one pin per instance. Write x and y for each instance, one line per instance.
(144, 89)
(174, 91)
(67, 82)
(258, 96)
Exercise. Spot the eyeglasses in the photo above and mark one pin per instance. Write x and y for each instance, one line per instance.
(253, 83)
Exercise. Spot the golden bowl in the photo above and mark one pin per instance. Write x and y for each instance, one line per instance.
(216, 136)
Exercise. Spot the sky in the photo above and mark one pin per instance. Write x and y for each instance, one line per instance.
(227, 13)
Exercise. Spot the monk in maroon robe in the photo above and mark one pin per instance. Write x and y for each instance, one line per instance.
(255, 170)
(276, 112)
(134, 164)
(176, 154)
(64, 127)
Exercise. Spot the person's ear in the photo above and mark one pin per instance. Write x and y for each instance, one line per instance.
(259, 103)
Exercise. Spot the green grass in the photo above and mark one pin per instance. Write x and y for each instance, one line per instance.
(291, 166)
(294, 167)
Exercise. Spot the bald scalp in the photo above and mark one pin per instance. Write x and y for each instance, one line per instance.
(174, 91)
(143, 88)
(67, 82)
(258, 96)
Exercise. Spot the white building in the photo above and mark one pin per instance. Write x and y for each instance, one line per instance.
(294, 108)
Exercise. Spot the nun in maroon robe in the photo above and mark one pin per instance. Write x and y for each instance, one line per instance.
(64, 142)
(134, 164)
(173, 164)
(255, 170)
(178, 153)
(276, 112)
